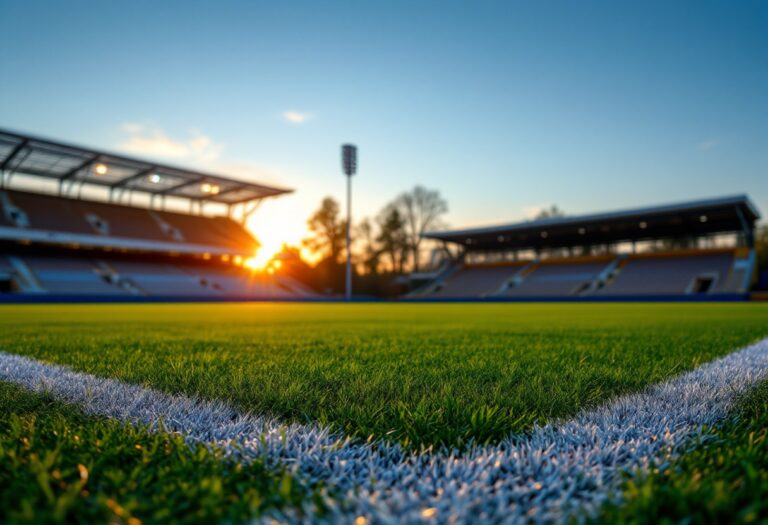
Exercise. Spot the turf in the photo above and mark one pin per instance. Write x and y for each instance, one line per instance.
(58, 465)
(422, 374)
(723, 480)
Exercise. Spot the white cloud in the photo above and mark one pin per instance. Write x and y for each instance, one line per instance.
(706, 145)
(155, 142)
(196, 149)
(297, 117)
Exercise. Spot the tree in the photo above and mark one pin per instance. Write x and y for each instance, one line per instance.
(553, 212)
(421, 210)
(293, 265)
(393, 239)
(329, 231)
(371, 254)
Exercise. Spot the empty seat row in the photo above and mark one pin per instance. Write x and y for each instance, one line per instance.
(558, 279)
(646, 274)
(661, 275)
(70, 276)
(59, 214)
(234, 281)
(474, 281)
(84, 276)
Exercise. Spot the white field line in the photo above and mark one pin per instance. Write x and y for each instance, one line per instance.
(555, 472)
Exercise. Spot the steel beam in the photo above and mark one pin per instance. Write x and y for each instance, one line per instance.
(7, 161)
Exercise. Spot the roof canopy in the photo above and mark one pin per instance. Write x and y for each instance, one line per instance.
(66, 163)
(695, 218)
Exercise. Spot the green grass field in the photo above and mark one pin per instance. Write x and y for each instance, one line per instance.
(58, 465)
(418, 374)
(421, 374)
(722, 481)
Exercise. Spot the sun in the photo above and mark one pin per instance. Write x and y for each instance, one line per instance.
(278, 223)
(273, 227)
(259, 261)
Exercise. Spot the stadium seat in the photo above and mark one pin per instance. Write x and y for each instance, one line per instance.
(65, 215)
(49, 212)
(70, 276)
(559, 278)
(476, 280)
(671, 274)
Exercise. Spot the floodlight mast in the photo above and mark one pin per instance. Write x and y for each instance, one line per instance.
(349, 165)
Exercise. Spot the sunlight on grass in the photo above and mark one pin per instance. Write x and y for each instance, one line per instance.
(421, 374)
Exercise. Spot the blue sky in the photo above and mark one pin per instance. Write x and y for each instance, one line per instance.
(505, 107)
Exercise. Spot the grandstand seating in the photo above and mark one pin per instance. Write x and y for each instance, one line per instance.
(124, 221)
(206, 230)
(157, 279)
(558, 278)
(233, 281)
(5, 220)
(84, 276)
(67, 275)
(654, 274)
(665, 274)
(475, 281)
(65, 245)
(48, 212)
(64, 215)
(108, 273)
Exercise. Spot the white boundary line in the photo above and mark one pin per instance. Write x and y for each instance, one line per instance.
(553, 473)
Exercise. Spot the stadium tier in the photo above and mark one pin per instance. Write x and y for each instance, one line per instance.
(471, 281)
(701, 249)
(41, 217)
(74, 236)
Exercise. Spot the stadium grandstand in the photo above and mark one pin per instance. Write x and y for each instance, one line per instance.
(703, 249)
(76, 222)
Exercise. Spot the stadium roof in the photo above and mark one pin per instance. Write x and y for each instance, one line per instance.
(66, 163)
(694, 218)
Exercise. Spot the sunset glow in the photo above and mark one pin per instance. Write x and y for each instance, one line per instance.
(273, 226)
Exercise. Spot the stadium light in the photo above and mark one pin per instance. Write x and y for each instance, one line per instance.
(101, 169)
(349, 165)
(206, 187)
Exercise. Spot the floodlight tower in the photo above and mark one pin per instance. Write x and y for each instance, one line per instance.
(349, 165)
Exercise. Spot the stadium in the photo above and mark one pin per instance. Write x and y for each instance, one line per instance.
(64, 246)
(624, 255)
(131, 246)
(206, 318)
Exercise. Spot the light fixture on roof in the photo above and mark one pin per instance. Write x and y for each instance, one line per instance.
(155, 178)
(206, 187)
(703, 218)
(643, 225)
(100, 169)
